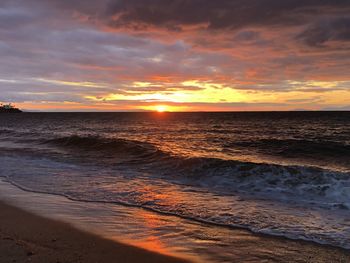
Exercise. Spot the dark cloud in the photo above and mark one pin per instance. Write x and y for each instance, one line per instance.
(219, 14)
(320, 32)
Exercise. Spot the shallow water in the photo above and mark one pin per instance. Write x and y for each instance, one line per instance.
(169, 235)
(284, 174)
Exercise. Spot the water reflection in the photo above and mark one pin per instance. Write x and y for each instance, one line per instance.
(165, 234)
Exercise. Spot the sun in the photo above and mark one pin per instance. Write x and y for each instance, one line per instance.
(161, 108)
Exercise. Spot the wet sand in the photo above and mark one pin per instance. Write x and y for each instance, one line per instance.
(25, 237)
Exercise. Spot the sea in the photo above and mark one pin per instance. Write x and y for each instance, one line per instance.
(187, 179)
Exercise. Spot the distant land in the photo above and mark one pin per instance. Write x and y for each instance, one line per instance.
(8, 108)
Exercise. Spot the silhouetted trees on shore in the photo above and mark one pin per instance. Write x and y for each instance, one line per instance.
(8, 108)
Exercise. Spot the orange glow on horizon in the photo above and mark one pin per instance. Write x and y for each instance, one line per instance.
(161, 108)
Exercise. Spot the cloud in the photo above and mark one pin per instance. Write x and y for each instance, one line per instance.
(337, 108)
(219, 14)
(268, 51)
(321, 32)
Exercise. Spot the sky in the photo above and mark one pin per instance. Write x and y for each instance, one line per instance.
(175, 55)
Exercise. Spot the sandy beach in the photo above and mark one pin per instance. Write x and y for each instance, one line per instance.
(25, 237)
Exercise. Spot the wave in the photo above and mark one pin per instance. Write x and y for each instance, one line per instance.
(332, 153)
(339, 240)
(115, 147)
(199, 210)
(295, 147)
(19, 135)
(297, 183)
(204, 178)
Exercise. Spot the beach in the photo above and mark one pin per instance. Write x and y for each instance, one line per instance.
(175, 131)
(25, 237)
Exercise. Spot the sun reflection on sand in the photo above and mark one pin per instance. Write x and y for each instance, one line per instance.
(152, 242)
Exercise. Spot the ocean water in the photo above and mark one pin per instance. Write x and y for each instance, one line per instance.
(283, 173)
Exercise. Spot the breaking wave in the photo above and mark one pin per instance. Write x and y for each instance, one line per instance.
(331, 151)
(307, 184)
(95, 143)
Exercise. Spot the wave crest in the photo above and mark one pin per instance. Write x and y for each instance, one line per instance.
(111, 146)
(296, 148)
(296, 183)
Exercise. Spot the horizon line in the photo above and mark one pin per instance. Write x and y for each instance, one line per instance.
(236, 111)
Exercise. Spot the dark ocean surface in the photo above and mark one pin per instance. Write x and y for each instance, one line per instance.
(279, 173)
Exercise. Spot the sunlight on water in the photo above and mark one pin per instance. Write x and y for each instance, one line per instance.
(281, 174)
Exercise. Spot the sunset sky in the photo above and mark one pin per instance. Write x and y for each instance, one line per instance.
(180, 55)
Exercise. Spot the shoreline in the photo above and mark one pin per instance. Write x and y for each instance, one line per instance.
(27, 237)
(226, 227)
(209, 224)
(40, 228)
(47, 218)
